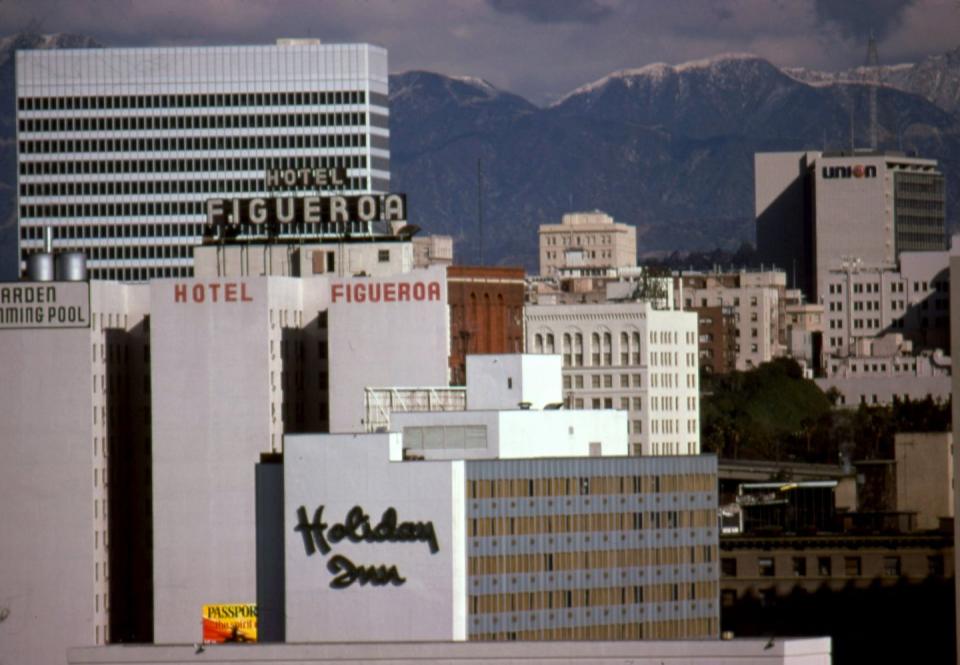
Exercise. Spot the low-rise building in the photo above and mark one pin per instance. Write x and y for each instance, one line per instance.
(486, 313)
(432, 250)
(589, 242)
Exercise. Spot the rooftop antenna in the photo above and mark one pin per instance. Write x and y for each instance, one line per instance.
(853, 144)
(872, 78)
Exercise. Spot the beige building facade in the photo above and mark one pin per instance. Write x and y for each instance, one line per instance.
(817, 211)
(588, 241)
(925, 476)
(758, 303)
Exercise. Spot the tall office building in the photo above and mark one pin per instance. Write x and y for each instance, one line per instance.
(817, 211)
(119, 149)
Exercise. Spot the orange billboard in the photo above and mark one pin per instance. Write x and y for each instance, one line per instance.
(232, 622)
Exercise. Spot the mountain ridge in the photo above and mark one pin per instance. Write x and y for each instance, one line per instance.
(668, 148)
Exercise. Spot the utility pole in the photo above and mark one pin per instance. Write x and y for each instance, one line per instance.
(480, 206)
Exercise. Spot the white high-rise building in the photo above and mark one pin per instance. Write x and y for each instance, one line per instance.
(119, 148)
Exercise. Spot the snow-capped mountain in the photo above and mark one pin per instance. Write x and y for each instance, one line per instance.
(666, 147)
(936, 78)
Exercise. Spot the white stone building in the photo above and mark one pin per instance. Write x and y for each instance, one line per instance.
(627, 356)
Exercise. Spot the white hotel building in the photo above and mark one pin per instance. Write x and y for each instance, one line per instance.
(179, 390)
(119, 148)
(627, 356)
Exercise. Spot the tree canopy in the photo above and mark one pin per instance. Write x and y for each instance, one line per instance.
(773, 413)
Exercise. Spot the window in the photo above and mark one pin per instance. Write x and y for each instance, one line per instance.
(891, 566)
(852, 566)
(824, 566)
(765, 566)
(728, 597)
(728, 567)
(799, 566)
(935, 565)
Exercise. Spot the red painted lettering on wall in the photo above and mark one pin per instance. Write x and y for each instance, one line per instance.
(214, 292)
(362, 292)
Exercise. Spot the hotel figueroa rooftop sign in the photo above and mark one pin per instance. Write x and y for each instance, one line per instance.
(329, 210)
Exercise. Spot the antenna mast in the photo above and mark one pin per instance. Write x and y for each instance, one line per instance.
(480, 206)
(872, 77)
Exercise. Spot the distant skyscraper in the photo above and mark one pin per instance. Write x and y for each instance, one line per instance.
(817, 212)
(119, 149)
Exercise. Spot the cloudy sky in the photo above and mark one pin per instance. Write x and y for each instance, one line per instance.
(540, 49)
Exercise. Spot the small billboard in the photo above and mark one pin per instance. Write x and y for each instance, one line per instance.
(232, 622)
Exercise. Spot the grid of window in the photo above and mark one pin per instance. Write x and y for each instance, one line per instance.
(919, 211)
(174, 101)
(528, 581)
(125, 177)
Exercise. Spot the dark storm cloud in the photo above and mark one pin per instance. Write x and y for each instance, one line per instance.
(858, 18)
(553, 11)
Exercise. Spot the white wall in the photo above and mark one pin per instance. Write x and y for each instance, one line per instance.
(339, 472)
(46, 495)
(397, 342)
(561, 433)
(503, 381)
(211, 421)
(521, 434)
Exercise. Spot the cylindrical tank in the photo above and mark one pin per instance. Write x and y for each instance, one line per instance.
(48, 239)
(40, 267)
(71, 267)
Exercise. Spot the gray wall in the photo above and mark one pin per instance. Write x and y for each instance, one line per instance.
(46, 485)
(788, 651)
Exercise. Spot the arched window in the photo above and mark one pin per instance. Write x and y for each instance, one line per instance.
(595, 349)
(567, 350)
(550, 345)
(538, 343)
